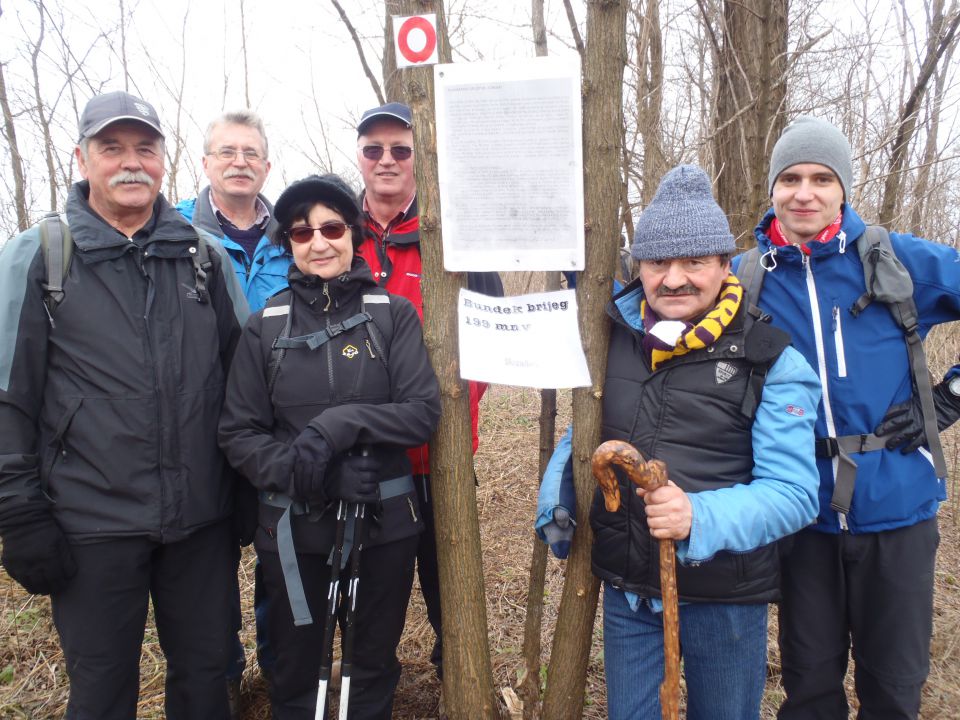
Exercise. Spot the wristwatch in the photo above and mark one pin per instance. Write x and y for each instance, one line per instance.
(954, 386)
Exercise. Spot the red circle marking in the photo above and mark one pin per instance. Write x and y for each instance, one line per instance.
(416, 23)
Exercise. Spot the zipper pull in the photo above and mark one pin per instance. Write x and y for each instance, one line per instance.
(326, 294)
(413, 512)
(369, 349)
(843, 241)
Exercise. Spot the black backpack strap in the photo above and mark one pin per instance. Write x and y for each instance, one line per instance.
(763, 344)
(750, 272)
(200, 254)
(279, 308)
(380, 329)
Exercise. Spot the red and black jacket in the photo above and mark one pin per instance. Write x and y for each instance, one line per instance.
(393, 254)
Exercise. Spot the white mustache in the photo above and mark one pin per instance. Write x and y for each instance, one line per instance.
(127, 176)
(240, 172)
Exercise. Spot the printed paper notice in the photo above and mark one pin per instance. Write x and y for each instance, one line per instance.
(510, 162)
(526, 340)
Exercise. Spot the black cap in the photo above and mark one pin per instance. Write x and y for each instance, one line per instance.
(103, 110)
(327, 189)
(393, 111)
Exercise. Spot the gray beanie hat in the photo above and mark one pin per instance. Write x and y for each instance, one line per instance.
(683, 220)
(812, 140)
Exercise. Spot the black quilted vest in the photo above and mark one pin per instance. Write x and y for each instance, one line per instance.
(690, 413)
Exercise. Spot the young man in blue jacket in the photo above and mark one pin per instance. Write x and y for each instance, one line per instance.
(725, 402)
(862, 576)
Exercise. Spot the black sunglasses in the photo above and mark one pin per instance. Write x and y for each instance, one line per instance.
(399, 152)
(329, 230)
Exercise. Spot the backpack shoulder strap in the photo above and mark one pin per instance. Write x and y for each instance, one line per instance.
(750, 273)
(763, 344)
(277, 319)
(201, 267)
(56, 244)
(376, 304)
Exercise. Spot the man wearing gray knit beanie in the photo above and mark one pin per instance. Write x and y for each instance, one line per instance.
(862, 575)
(728, 406)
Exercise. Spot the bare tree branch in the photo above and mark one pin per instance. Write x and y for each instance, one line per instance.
(363, 58)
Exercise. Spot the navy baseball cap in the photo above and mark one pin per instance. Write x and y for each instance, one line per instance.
(103, 110)
(394, 111)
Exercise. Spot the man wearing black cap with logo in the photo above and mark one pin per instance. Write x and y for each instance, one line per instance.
(391, 247)
(112, 488)
(861, 577)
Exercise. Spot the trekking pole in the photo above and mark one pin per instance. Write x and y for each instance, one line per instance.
(648, 476)
(346, 661)
(330, 621)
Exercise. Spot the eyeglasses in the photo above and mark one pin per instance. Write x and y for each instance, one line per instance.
(329, 230)
(399, 152)
(229, 154)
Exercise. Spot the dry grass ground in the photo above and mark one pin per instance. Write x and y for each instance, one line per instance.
(33, 684)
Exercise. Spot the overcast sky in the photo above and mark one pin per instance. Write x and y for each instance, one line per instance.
(304, 72)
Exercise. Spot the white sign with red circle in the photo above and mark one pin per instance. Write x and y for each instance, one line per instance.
(415, 38)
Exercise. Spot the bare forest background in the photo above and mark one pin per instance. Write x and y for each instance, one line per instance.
(706, 81)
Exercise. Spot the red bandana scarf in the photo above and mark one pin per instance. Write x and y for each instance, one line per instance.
(826, 235)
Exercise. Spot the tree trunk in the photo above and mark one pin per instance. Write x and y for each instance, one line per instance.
(16, 160)
(604, 61)
(529, 685)
(468, 677)
(392, 85)
(749, 113)
(650, 100)
(42, 120)
(944, 36)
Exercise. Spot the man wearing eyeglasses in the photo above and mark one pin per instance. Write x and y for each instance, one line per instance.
(391, 247)
(232, 208)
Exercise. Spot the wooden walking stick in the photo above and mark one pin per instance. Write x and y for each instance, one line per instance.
(648, 476)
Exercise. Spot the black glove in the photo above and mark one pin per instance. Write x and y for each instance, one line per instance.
(245, 511)
(35, 551)
(356, 479)
(905, 420)
(312, 455)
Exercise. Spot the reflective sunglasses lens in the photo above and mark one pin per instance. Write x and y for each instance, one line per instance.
(373, 152)
(401, 152)
(333, 231)
(300, 234)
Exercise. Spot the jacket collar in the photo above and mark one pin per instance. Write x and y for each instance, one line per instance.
(91, 232)
(328, 295)
(205, 219)
(851, 229)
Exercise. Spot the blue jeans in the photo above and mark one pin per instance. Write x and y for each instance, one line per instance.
(724, 651)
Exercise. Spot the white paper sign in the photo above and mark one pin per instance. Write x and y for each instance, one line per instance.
(510, 162)
(527, 340)
(415, 40)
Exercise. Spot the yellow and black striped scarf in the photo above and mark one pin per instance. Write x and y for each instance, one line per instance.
(703, 334)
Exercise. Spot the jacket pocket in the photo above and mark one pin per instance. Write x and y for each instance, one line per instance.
(56, 448)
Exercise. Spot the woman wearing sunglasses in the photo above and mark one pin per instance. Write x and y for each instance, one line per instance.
(329, 385)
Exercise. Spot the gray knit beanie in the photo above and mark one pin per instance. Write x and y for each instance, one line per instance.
(812, 140)
(682, 220)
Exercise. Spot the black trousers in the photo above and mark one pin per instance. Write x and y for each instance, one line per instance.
(872, 592)
(102, 614)
(386, 579)
(427, 569)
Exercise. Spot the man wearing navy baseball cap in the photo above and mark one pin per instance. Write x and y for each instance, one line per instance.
(113, 491)
(391, 247)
